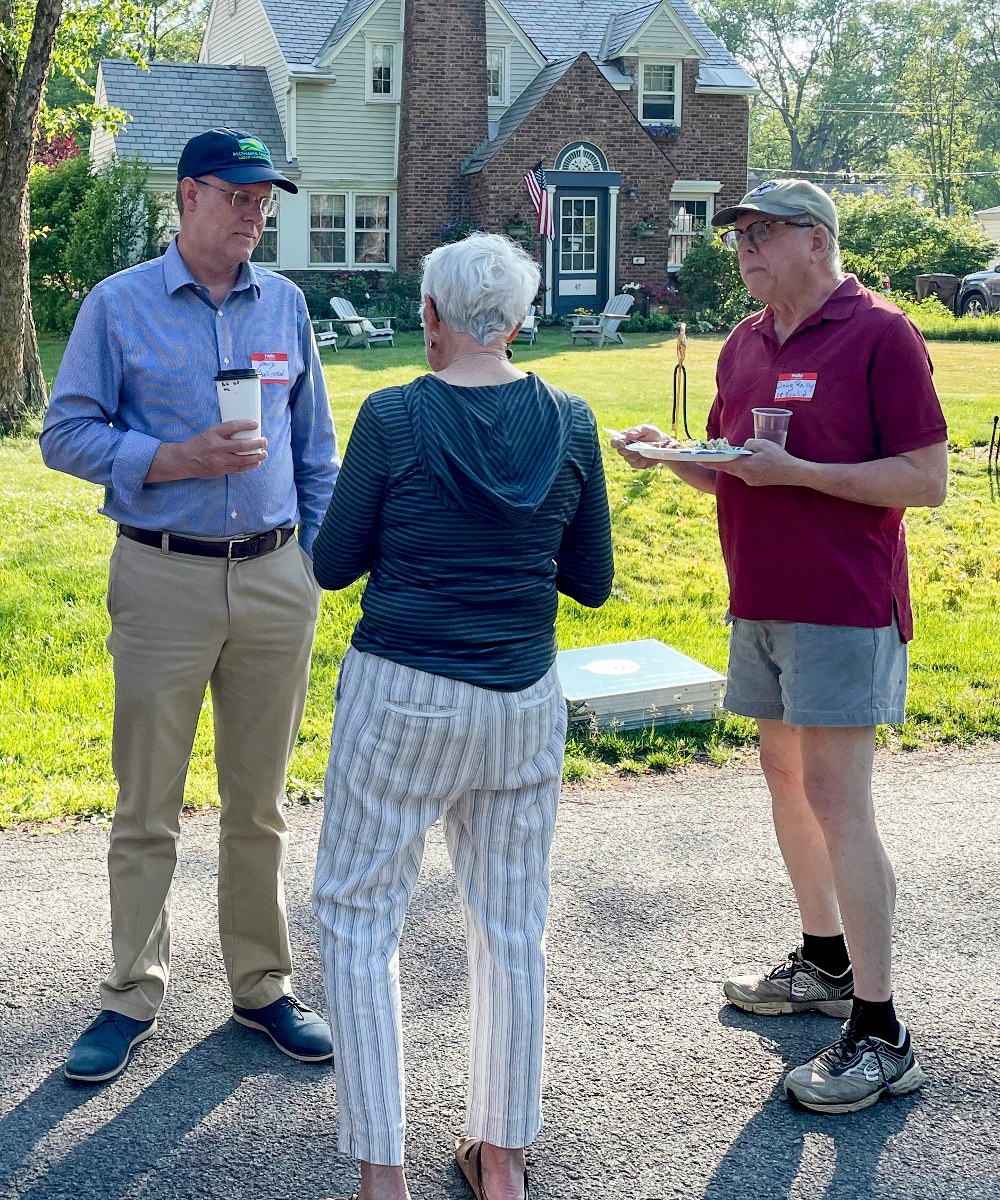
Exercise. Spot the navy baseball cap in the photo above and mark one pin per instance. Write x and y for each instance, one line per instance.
(232, 155)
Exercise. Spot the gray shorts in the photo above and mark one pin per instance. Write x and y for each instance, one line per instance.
(816, 674)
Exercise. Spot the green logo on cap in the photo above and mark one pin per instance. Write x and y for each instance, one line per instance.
(252, 147)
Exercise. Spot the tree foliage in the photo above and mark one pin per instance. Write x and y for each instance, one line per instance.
(899, 92)
(711, 283)
(902, 238)
(118, 223)
(33, 37)
(56, 197)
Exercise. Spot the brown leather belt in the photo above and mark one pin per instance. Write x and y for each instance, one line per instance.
(241, 547)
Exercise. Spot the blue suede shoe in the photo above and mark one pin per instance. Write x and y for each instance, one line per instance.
(295, 1029)
(102, 1051)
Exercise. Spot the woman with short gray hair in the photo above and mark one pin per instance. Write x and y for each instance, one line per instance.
(471, 497)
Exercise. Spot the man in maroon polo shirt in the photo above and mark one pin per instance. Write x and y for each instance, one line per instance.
(815, 549)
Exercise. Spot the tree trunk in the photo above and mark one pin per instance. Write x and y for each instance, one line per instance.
(22, 390)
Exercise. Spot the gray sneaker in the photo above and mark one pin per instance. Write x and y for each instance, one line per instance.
(855, 1073)
(794, 986)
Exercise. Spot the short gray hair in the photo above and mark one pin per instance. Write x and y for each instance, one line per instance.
(482, 285)
(833, 252)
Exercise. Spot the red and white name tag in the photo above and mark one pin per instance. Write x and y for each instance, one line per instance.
(798, 386)
(272, 368)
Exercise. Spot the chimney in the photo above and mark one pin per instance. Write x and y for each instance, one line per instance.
(443, 119)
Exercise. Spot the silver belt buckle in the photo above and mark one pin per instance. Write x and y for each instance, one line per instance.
(238, 542)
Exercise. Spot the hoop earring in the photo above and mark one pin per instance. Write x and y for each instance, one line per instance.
(507, 350)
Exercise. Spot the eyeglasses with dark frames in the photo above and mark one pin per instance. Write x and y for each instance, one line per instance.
(759, 232)
(242, 201)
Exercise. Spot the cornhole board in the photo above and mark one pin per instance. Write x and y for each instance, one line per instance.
(634, 685)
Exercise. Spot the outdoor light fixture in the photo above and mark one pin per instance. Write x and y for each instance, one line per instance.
(630, 191)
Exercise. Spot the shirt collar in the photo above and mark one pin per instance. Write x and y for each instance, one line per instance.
(838, 306)
(176, 274)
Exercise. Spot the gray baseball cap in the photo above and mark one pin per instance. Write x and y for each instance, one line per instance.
(784, 198)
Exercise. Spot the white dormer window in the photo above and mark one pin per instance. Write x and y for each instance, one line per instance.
(496, 75)
(383, 71)
(659, 93)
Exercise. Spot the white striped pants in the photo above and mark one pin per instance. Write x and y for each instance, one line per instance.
(407, 749)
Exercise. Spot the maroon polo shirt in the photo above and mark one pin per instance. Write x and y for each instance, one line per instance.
(865, 392)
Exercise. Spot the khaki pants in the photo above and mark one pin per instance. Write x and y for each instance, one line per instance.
(244, 628)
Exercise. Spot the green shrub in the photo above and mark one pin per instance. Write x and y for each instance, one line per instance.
(118, 224)
(56, 194)
(928, 309)
(654, 323)
(904, 239)
(714, 294)
(867, 269)
(373, 293)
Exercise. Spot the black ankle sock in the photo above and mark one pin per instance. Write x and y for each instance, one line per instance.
(827, 953)
(875, 1018)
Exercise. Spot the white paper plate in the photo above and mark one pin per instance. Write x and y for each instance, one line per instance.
(681, 454)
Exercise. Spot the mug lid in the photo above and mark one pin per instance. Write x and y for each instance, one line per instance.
(237, 373)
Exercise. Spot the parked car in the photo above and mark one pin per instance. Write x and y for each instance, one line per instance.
(979, 294)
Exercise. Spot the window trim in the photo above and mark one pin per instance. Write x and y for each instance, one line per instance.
(692, 189)
(270, 262)
(504, 100)
(397, 64)
(350, 229)
(583, 273)
(653, 60)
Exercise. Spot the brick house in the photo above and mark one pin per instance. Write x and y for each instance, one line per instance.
(397, 117)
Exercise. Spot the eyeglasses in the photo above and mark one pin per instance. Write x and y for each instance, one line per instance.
(242, 201)
(758, 232)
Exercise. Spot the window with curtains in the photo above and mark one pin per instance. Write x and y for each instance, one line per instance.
(328, 228)
(371, 229)
(348, 229)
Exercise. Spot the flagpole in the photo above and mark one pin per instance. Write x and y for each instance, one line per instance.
(550, 188)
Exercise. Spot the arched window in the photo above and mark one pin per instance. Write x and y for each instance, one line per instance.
(581, 156)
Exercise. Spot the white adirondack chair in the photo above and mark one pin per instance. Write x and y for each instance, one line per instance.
(529, 326)
(325, 334)
(604, 327)
(361, 331)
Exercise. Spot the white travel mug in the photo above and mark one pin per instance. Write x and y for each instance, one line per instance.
(239, 400)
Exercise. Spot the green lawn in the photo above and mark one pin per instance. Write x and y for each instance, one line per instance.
(55, 680)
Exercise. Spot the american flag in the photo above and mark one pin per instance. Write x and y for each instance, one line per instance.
(534, 181)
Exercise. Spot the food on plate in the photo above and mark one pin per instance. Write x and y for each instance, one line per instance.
(715, 445)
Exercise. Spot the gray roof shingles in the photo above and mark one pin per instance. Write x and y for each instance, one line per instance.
(303, 27)
(561, 29)
(171, 102)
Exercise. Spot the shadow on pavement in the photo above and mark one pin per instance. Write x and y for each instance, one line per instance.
(770, 1149)
(141, 1136)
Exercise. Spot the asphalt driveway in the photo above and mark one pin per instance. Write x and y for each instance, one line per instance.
(654, 1088)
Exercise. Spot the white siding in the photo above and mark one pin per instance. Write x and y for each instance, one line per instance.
(664, 36)
(523, 65)
(102, 144)
(246, 37)
(341, 135)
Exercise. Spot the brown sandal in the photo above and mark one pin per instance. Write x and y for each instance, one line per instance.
(469, 1156)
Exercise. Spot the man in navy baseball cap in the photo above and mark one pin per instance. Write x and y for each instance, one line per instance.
(232, 155)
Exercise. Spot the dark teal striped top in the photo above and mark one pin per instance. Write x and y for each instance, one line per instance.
(470, 509)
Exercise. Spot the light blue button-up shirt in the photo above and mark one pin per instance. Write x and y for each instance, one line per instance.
(140, 369)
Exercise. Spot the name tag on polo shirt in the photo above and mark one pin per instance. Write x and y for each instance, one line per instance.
(798, 386)
(272, 368)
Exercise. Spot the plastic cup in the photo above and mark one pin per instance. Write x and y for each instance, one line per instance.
(239, 400)
(771, 424)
